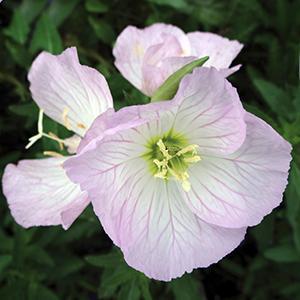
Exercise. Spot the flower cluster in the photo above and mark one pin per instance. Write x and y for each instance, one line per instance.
(175, 184)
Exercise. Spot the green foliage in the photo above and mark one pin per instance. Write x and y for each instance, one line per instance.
(81, 263)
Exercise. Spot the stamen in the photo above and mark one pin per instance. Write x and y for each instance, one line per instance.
(163, 149)
(36, 137)
(189, 148)
(52, 154)
(66, 119)
(40, 134)
(57, 139)
(176, 165)
(32, 140)
(192, 159)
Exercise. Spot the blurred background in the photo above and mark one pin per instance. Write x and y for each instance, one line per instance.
(81, 263)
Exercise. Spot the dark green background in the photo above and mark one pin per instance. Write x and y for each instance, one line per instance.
(81, 263)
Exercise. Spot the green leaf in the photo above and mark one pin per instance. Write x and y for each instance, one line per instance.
(274, 96)
(39, 255)
(144, 285)
(37, 291)
(18, 53)
(109, 260)
(30, 9)
(186, 288)
(68, 266)
(130, 291)
(169, 88)
(5, 260)
(96, 6)
(25, 110)
(103, 30)
(60, 10)
(18, 29)
(177, 4)
(264, 232)
(113, 278)
(293, 203)
(283, 253)
(46, 37)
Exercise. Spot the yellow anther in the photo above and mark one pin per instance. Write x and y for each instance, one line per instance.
(80, 125)
(52, 154)
(160, 163)
(192, 159)
(162, 168)
(65, 118)
(189, 148)
(163, 149)
(175, 162)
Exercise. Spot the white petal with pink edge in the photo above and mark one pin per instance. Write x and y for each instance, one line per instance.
(68, 92)
(221, 51)
(39, 193)
(145, 216)
(241, 188)
(133, 45)
(209, 112)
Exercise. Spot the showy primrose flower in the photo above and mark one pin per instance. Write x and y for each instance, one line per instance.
(38, 191)
(175, 184)
(147, 57)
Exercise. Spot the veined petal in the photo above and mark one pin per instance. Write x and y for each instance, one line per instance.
(112, 122)
(154, 73)
(221, 51)
(241, 188)
(133, 43)
(210, 113)
(39, 193)
(70, 93)
(145, 216)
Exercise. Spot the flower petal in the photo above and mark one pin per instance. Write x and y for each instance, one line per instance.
(39, 193)
(210, 113)
(241, 188)
(133, 43)
(145, 216)
(154, 73)
(70, 93)
(221, 51)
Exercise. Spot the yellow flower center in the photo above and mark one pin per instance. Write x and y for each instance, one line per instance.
(173, 162)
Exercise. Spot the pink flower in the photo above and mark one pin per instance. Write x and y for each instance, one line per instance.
(175, 184)
(146, 57)
(38, 191)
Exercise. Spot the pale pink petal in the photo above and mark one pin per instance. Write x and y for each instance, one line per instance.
(153, 71)
(112, 122)
(241, 188)
(70, 93)
(133, 43)
(195, 105)
(39, 193)
(210, 113)
(229, 71)
(221, 51)
(146, 216)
